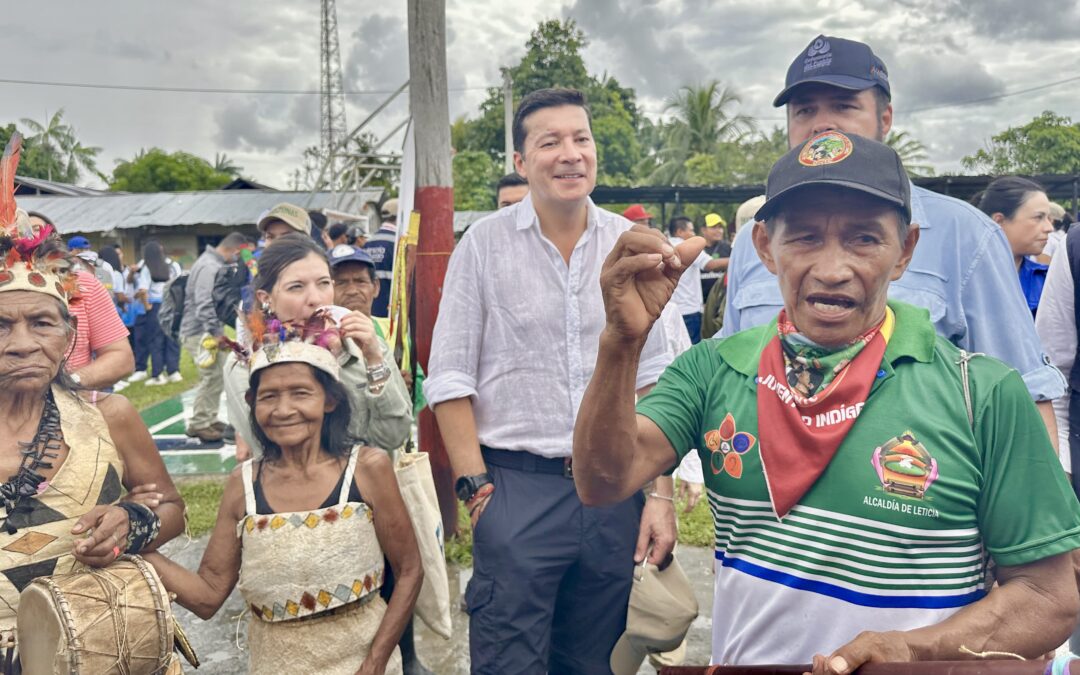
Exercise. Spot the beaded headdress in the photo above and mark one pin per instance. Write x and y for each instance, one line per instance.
(313, 341)
(23, 267)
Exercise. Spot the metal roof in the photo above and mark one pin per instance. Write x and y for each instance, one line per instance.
(27, 185)
(102, 213)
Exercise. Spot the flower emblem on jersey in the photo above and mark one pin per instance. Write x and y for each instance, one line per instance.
(727, 445)
(829, 147)
(904, 466)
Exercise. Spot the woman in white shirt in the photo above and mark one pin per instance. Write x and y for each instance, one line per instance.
(152, 274)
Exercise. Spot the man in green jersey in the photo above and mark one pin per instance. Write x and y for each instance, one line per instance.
(861, 471)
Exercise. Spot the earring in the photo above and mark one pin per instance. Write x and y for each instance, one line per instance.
(266, 307)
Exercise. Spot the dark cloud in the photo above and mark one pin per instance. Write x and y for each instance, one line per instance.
(648, 48)
(245, 125)
(378, 54)
(923, 78)
(1010, 20)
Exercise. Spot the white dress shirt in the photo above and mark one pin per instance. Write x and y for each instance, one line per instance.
(1056, 325)
(518, 329)
(688, 296)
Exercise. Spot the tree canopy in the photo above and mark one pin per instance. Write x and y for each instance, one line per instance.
(155, 170)
(51, 150)
(1050, 143)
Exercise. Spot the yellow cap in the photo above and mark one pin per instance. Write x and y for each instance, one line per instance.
(714, 219)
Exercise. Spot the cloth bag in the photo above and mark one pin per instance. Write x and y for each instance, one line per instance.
(417, 487)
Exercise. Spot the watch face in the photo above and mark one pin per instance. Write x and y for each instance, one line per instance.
(463, 488)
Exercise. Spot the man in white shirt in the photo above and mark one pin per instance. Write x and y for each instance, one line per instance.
(513, 350)
(688, 297)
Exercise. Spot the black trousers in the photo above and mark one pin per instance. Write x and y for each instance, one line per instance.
(551, 576)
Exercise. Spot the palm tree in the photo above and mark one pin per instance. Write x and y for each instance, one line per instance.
(81, 156)
(912, 153)
(51, 137)
(63, 152)
(224, 164)
(702, 119)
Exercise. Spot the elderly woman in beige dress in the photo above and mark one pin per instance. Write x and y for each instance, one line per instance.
(294, 282)
(303, 531)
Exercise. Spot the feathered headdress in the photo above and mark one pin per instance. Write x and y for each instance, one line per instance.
(26, 265)
(314, 341)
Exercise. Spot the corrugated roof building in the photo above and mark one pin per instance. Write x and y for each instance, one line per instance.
(186, 222)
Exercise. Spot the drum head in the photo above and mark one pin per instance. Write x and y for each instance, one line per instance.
(106, 620)
(42, 643)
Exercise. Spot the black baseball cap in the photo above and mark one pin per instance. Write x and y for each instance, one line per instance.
(847, 161)
(838, 62)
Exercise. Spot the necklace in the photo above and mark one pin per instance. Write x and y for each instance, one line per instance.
(36, 453)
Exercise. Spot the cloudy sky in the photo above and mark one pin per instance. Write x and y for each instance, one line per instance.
(939, 53)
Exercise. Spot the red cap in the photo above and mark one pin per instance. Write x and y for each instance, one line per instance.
(636, 212)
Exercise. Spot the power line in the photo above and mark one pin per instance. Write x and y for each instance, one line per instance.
(995, 97)
(937, 106)
(208, 90)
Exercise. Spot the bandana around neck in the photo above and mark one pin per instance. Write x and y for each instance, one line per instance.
(807, 399)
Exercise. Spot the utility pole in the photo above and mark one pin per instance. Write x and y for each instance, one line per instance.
(508, 121)
(430, 109)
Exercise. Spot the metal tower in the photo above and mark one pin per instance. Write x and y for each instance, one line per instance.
(332, 97)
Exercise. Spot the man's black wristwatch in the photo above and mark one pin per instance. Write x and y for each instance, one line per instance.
(466, 486)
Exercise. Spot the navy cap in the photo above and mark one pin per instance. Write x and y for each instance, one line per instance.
(834, 158)
(78, 242)
(343, 253)
(838, 62)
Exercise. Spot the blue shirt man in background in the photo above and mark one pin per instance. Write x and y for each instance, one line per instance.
(962, 271)
(381, 249)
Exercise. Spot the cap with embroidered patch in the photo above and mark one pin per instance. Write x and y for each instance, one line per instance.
(837, 62)
(841, 160)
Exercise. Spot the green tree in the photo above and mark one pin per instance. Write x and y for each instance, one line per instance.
(1050, 143)
(225, 164)
(553, 59)
(53, 151)
(702, 122)
(155, 170)
(912, 153)
(475, 175)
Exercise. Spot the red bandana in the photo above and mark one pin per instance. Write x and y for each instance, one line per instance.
(798, 437)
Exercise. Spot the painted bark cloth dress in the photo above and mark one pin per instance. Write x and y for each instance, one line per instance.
(90, 475)
(311, 580)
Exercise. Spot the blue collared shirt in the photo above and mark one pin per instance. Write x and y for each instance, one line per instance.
(962, 271)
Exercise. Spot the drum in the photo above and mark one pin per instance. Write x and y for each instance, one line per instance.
(115, 619)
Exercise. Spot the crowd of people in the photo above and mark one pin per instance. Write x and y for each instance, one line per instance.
(861, 376)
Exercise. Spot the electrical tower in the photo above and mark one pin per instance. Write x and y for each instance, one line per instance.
(332, 93)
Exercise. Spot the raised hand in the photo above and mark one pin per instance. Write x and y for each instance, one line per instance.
(639, 276)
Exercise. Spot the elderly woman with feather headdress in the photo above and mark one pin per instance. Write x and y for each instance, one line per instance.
(66, 454)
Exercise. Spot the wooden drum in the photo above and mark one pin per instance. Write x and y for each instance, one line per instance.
(109, 620)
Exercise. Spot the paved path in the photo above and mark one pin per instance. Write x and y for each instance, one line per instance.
(216, 640)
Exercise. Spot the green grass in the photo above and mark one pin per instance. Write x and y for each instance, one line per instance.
(202, 498)
(142, 396)
(696, 527)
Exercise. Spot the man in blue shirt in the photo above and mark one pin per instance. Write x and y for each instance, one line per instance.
(381, 249)
(962, 270)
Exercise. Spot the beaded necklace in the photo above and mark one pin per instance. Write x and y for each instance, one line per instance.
(36, 453)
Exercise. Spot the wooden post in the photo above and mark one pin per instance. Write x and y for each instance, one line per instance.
(430, 110)
(508, 121)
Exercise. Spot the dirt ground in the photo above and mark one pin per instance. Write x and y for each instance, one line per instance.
(220, 641)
